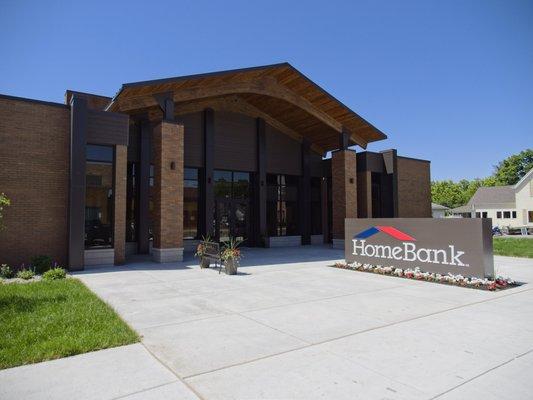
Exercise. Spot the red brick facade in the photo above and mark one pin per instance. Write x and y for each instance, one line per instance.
(168, 185)
(119, 233)
(344, 190)
(34, 174)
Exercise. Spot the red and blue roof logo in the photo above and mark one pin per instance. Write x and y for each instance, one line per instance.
(389, 230)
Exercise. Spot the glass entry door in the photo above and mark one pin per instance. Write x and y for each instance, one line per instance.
(232, 205)
(231, 220)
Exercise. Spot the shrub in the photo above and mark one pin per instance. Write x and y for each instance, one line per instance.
(25, 274)
(41, 263)
(55, 273)
(6, 272)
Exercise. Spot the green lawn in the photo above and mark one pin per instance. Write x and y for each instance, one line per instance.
(46, 320)
(514, 247)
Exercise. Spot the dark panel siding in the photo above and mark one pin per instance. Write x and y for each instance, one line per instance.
(284, 154)
(133, 143)
(316, 164)
(107, 128)
(193, 140)
(235, 142)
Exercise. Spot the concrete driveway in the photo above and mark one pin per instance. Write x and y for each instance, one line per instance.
(290, 327)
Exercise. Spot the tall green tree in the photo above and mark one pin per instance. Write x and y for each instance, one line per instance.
(510, 170)
(447, 193)
(4, 202)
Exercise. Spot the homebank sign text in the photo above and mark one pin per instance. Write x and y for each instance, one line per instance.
(434, 245)
(409, 252)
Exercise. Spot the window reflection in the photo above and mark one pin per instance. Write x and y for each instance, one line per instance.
(99, 197)
(282, 205)
(190, 203)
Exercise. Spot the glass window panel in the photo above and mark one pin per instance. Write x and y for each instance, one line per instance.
(99, 197)
(99, 153)
(241, 177)
(190, 203)
(241, 185)
(222, 185)
(272, 179)
(131, 204)
(191, 173)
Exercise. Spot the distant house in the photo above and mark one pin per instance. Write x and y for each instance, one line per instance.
(508, 206)
(438, 210)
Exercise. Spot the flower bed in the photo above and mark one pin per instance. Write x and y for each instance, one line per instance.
(415, 273)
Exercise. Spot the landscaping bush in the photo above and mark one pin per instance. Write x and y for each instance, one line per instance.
(25, 274)
(55, 273)
(6, 272)
(41, 263)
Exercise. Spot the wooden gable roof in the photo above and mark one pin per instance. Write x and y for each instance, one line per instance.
(279, 93)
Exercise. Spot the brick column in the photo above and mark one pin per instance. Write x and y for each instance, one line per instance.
(119, 229)
(167, 142)
(344, 192)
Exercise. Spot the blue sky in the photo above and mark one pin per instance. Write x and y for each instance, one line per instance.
(448, 81)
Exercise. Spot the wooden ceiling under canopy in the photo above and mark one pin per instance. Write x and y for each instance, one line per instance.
(279, 93)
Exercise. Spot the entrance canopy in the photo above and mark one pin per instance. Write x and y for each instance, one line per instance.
(279, 93)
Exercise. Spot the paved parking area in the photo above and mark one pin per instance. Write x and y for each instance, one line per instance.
(290, 327)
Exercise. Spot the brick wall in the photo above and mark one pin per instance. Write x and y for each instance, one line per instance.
(119, 233)
(168, 185)
(34, 173)
(344, 190)
(414, 188)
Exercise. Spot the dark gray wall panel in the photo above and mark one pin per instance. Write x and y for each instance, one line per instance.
(284, 154)
(107, 128)
(316, 164)
(235, 142)
(193, 141)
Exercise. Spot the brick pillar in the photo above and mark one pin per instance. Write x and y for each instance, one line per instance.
(167, 142)
(344, 192)
(119, 229)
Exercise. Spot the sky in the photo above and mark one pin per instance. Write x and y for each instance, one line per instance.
(447, 81)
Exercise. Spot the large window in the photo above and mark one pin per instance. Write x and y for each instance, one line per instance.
(132, 202)
(232, 184)
(316, 206)
(190, 203)
(99, 197)
(530, 217)
(282, 205)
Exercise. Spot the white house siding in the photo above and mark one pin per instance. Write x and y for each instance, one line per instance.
(524, 203)
(502, 222)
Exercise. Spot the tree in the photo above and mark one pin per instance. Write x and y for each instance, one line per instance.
(510, 170)
(507, 172)
(4, 202)
(447, 193)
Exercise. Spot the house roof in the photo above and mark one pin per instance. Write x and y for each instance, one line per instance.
(435, 206)
(489, 197)
(277, 92)
(462, 209)
(492, 195)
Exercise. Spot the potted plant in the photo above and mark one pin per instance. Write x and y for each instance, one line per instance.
(231, 255)
(200, 251)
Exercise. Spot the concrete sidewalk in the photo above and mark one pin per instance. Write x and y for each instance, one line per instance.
(288, 326)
